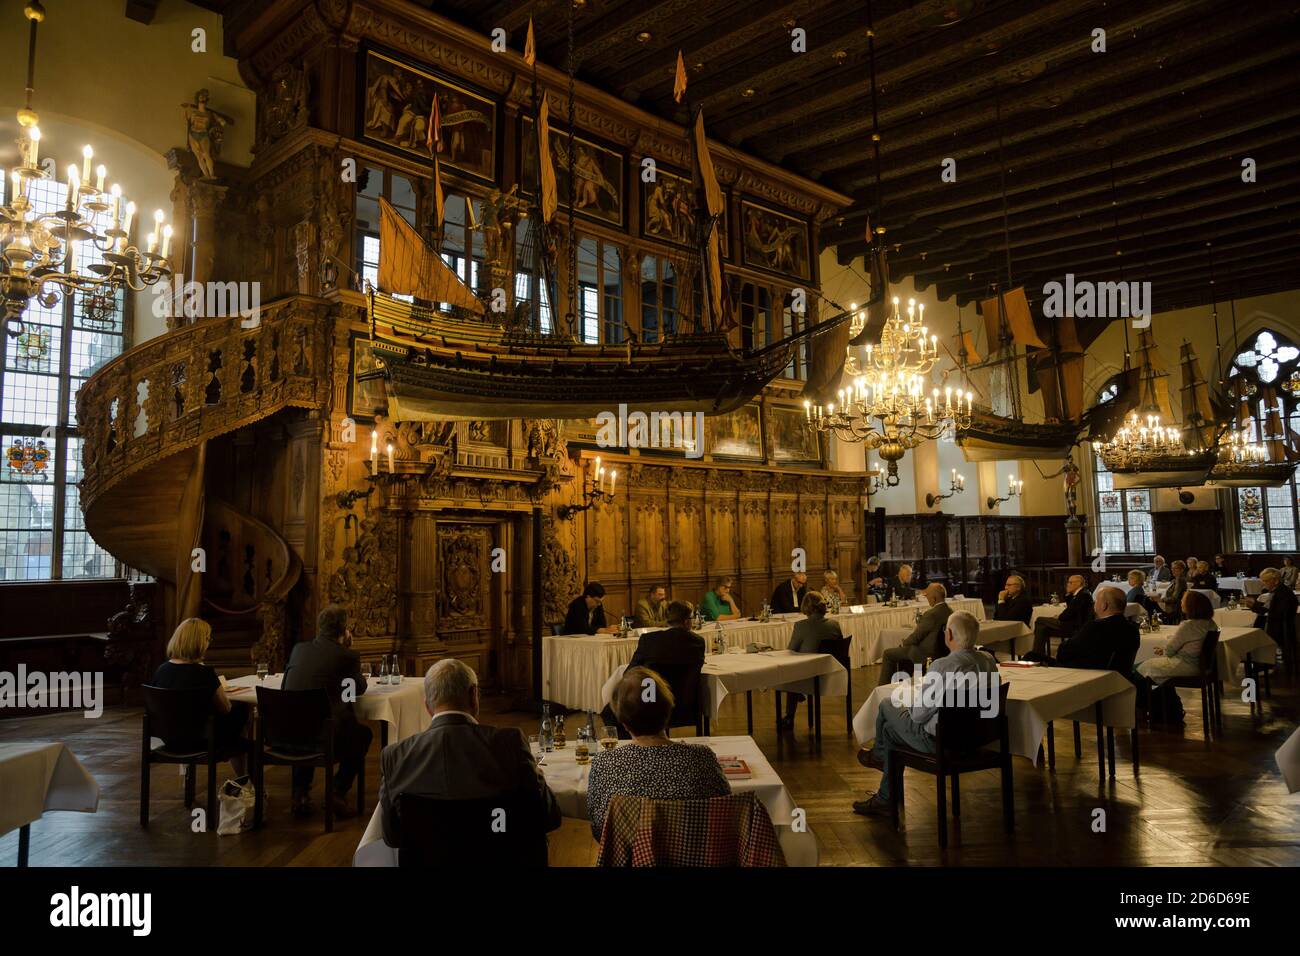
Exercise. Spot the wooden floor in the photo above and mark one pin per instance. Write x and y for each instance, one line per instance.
(1195, 802)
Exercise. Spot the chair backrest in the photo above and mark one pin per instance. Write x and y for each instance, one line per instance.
(838, 648)
(1209, 659)
(178, 715)
(1134, 611)
(734, 830)
(293, 716)
(962, 729)
(1122, 661)
(685, 685)
(493, 832)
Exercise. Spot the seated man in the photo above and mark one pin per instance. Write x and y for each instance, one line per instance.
(1204, 578)
(807, 638)
(676, 654)
(586, 614)
(874, 578)
(1276, 608)
(926, 639)
(329, 663)
(1013, 602)
(457, 758)
(788, 595)
(916, 726)
(1077, 612)
(1158, 571)
(900, 586)
(1110, 639)
(718, 604)
(650, 610)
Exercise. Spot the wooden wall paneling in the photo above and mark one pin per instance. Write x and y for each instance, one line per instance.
(469, 596)
(1180, 533)
(648, 529)
(607, 555)
(784, 536)
(722, 525)
(755, 533)
(813, 526)
(687, 537)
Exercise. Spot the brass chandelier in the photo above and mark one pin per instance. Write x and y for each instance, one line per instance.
(40, 257)
(891, 406)
(1139, 442)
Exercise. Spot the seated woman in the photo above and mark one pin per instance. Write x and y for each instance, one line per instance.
(184, 670)
(1136, 594)
(1204, 578)
(1289, 572)
(652, 765)
(831, 587)
(1180, 655)
(806, 638)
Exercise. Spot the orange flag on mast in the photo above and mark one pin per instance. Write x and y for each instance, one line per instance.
(679, 83)
(530, 45)
(546, 169)
(434, 142)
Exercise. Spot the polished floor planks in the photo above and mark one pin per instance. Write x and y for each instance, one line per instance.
(1195, 802)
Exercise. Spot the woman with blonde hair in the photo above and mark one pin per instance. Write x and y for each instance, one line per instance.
(184, 670)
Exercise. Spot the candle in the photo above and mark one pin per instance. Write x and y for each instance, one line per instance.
(35, 134)
(86, 154)
(130, 214)
(390, 458)
(153, 242)
(100, 172)
(167, 240)
(116, 192)
(158, 221)
(72, 187)
(807, 409)
(613, 480)
(954, 476)
(374, 452)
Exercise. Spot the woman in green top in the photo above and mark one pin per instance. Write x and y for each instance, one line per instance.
(718, 604)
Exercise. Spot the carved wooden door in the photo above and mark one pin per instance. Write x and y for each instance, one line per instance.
(469, 594)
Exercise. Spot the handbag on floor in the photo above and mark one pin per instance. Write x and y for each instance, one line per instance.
(235, 802)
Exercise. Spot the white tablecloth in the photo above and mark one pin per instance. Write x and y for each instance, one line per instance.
(1045, 610)
(1014, 633)
(1216, 602)
(736, 673)
(1038, 695)
(401, 706)
(576, 666)
(1288, 761)
(39, 777)
(1234, 644)
(568, 782)
(1241, 617)
(1248, 586)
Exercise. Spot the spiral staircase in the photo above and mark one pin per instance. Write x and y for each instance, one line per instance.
(148, 419)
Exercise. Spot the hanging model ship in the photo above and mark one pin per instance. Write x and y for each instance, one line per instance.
(1267, 458)
(444, 354)
(999, 431)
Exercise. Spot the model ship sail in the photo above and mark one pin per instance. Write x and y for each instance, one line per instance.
(1266, 454)
(443, 356)
(1199, 421)
(999, 432)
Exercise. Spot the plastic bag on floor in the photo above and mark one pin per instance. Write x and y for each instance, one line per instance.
(235, 802)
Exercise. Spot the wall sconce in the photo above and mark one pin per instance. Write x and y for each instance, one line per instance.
(956, 485)
(346, 499)
(1014, 490)
(598, 484)
(878, 480)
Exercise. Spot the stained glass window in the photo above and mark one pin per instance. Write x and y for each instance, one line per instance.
(42, 536)
(1123, 517)
(1268, 518)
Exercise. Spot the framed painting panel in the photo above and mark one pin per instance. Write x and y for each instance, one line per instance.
(792, 439)
(598, 169)
(774, 241)
(737, 434)
(365, 399)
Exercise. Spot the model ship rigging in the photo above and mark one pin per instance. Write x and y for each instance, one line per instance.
(446, 352)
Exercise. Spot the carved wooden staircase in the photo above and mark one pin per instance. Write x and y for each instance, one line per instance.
(146, 419)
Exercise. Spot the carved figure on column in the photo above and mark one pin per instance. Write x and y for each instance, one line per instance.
(205, 129)
(302, 251)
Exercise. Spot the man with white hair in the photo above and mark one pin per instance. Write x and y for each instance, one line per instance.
(916, 726)
(926, 639)
(1158, 571)
(1275, 613)
(457, 758)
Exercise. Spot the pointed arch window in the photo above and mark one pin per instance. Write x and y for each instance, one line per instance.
(1123, 515)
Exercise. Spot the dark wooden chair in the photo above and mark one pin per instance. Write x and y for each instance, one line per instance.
(497, 832)
(187, 719)
(1123, 665)
(1207, 681)
(838, 648)
(959, 747)
(295, 729)
(687, 711)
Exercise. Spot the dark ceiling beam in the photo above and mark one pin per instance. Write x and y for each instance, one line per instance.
(142, 11)
(615, 31)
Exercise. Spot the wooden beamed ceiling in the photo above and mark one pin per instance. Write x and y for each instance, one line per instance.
(1120, 165)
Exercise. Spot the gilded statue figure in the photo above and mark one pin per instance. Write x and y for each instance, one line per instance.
(204, 131)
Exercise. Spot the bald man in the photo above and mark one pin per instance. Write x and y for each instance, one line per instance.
(1110, 640)
(926, 639)
(1077, 612)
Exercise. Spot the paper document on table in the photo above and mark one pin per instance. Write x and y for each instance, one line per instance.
(734, 768)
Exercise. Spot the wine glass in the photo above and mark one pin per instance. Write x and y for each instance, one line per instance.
(608, 737)
(365, 670)
(262, 670)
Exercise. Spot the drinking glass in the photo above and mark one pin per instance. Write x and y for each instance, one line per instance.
(608, 737)
(535, 744)
(262, 670)
(582, 748)
(365, 670)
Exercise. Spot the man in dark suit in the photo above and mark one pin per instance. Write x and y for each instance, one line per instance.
(1278, 618)
(1013, 602)
(1159, 571)
(675, 654)
(788, 596)
(329, 663)
(1110, 639)
(1078, 611)
(926, 639)
(586, 614)
(457, 758)
(900, 585)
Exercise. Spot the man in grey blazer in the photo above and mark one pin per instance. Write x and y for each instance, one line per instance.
(926, 639)
(457, 758)
(807, 638)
